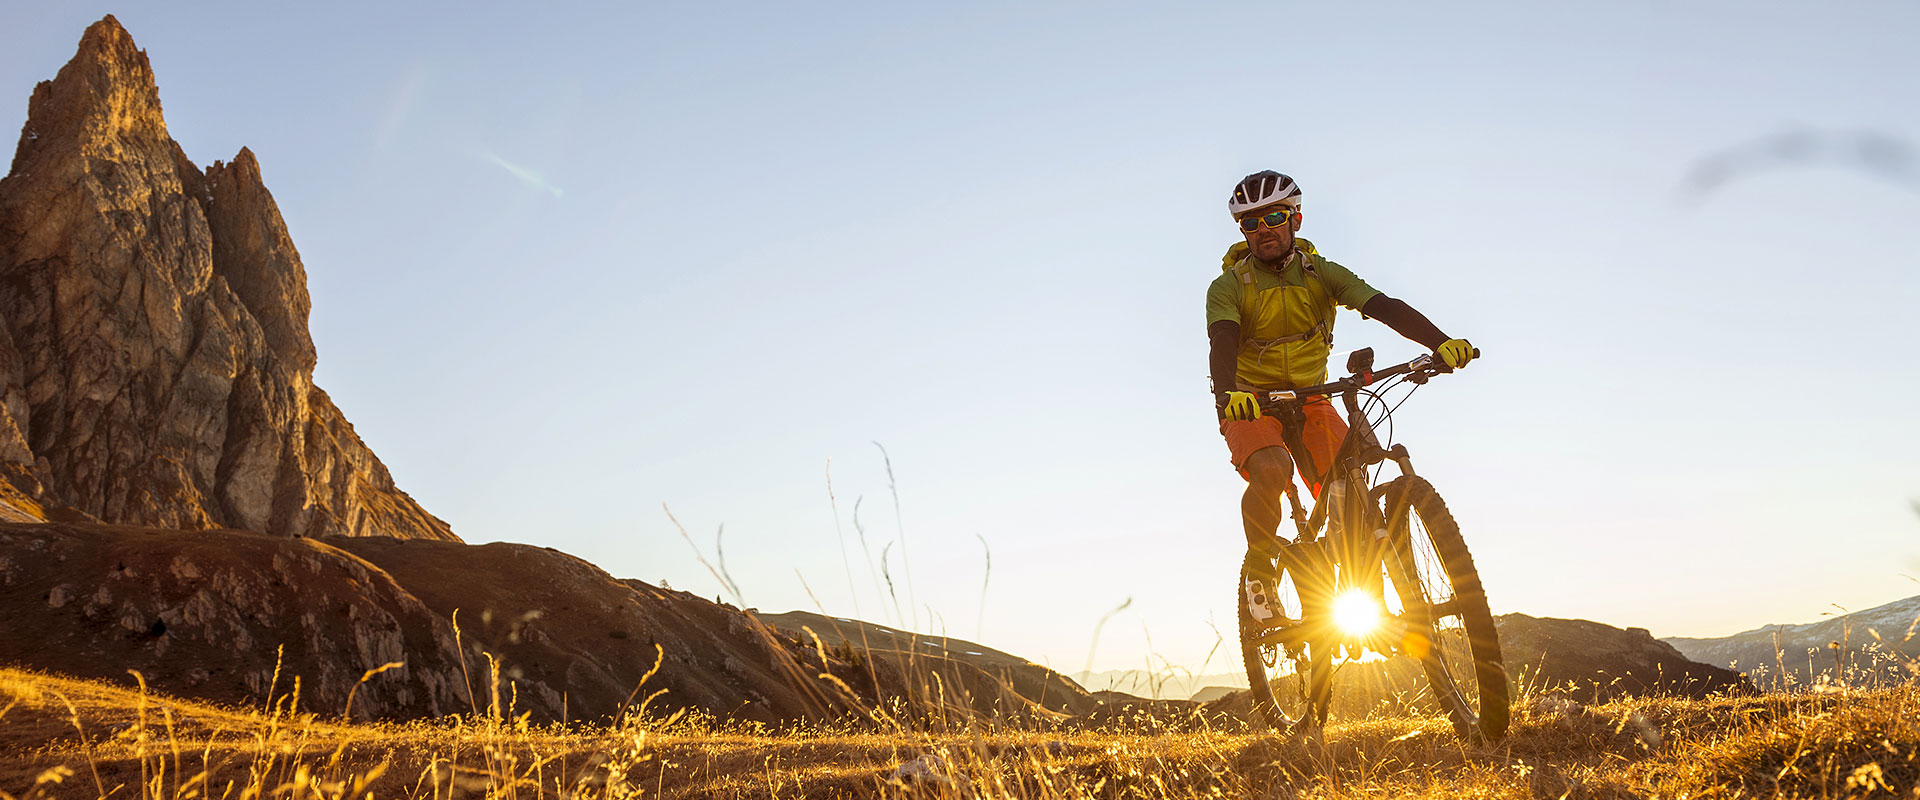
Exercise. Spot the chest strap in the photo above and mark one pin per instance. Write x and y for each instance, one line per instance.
(1265, 344)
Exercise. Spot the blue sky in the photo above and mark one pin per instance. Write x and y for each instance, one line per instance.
(569, 266)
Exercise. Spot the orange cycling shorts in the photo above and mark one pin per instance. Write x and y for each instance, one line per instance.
(1322, 434)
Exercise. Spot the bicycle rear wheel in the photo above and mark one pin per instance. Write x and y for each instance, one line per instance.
(1275, 669)
(1449, 627)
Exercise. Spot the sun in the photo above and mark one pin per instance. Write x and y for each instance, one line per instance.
(1356, 613)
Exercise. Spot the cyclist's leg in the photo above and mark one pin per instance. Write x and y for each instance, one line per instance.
(1259, 453)
(1268, 471)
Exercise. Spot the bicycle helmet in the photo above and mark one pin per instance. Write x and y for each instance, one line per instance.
(1262, 189)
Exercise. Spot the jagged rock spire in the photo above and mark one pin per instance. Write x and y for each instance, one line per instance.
(105, 93)
(252, 250)
(155, 363)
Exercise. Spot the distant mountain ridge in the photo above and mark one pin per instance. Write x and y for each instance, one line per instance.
(1163, 685)
(1805, 650)
(1899, 615)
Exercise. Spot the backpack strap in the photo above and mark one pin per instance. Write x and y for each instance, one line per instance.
(1249, 290)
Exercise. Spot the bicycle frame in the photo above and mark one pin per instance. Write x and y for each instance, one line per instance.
(1345, 547)
(1324, 566)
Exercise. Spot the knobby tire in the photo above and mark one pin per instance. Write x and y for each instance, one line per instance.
(1483, 713)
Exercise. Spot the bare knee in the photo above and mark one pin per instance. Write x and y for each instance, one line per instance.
(1268, 469)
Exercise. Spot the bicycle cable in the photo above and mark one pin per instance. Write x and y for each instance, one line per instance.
(1377, 403)
(1403, 400)
(1386, 414)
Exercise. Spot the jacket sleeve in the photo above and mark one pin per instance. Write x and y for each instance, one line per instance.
(1223, 354)
(1223, 332)
(1404, 320)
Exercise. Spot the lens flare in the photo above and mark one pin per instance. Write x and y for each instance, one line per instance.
(1356, 612)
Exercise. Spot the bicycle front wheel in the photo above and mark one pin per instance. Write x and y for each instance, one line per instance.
(1449, 628)
(1271, 643)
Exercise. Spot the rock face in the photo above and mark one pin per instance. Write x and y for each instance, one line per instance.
(212, 615)
(155, 365)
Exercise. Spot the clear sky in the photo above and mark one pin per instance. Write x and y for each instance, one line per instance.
(570, 264)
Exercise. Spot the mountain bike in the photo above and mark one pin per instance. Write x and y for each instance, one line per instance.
(1378, 579)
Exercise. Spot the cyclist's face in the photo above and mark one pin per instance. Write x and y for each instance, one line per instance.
(1270, 244)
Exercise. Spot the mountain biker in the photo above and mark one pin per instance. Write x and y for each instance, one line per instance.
(1270, 326)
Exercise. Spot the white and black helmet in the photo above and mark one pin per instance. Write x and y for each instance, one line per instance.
(1262, 189)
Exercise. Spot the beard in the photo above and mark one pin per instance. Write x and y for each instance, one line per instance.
(1272, 248)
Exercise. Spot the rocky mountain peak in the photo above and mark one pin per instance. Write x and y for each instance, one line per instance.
(155, 363)
(107, 91)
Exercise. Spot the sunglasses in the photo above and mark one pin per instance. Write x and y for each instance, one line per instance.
(1273, 220)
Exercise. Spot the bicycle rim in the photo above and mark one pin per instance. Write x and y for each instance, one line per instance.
(1450, 629)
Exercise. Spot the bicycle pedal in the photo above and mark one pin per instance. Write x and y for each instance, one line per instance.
(1258, 598)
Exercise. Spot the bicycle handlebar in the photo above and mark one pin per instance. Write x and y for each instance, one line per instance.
(1426, 363)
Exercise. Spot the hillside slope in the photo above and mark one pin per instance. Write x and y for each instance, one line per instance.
(977, 668)
(214, 614)
(1598, 661)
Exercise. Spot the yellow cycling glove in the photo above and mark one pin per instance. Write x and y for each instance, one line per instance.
(1240, 405)
(1455, 352)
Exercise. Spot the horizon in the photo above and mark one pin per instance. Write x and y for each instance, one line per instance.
(549, 277)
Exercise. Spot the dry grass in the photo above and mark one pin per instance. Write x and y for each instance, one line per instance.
(68, 738)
